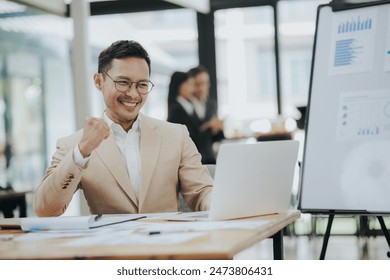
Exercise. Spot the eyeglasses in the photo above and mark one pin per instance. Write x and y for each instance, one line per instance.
(143, 87)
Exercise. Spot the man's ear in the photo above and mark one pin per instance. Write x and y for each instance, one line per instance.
(98, 79)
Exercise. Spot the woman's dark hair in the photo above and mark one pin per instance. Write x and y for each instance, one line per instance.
(177, 79)
(121, 49)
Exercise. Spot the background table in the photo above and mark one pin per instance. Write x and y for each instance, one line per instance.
(10, 200)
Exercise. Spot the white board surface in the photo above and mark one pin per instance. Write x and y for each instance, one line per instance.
(346, 164)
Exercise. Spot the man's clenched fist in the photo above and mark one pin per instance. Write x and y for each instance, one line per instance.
(95, 131)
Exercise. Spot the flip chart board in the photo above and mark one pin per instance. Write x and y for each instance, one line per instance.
(346, 162)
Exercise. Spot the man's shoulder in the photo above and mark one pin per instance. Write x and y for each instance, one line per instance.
(164, 128)
(72, 139)
(160, 124)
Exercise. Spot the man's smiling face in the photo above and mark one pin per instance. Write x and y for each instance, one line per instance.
(123, 107)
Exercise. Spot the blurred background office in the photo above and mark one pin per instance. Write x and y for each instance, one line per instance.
(258, 53)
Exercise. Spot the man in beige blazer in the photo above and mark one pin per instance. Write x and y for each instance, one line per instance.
(125, 162)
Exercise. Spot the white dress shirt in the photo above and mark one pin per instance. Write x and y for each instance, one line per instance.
(200, 108)
(128, 143)
(187, 105)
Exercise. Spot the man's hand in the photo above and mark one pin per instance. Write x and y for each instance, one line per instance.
(95, 131)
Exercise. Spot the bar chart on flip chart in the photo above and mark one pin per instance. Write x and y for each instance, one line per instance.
(364, 115)
(354, 25)
(352, 38)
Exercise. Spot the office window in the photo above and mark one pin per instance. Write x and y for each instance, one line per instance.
(296, 32)
(266, 62)
(171, 46)
(27, 131)
(36, 106)
(245, 67)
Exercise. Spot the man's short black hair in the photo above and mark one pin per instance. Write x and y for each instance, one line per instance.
(197, 70)
(122, 49)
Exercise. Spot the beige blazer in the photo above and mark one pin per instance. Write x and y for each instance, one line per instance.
(169, 162)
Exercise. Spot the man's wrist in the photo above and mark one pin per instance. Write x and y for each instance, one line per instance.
(78, 158)
(82, 151)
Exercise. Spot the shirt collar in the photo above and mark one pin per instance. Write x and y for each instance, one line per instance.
(114, 126)
(187, 105)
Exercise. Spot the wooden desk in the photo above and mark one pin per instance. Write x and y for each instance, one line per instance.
(218, 244)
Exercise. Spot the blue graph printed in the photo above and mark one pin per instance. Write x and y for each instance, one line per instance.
(365, 131)
(354, 25)
(345, 52)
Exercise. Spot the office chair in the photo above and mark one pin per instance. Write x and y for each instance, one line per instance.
(182, 204)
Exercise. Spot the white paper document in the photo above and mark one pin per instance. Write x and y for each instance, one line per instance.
(364, 115)
(119, 230)
(160, 233)
(76, 222)
(387, 49)
(56, 234)
(190, 216)
(352, 48)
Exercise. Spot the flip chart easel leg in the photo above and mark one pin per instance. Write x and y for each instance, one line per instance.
(326, 237)
(385, 232)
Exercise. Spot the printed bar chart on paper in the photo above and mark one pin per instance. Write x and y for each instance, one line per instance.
(348, 52)
(354, 25)
(364, 115)
(352, 40)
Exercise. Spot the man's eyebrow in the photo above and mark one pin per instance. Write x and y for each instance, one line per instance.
(127, 78)
(123, 78)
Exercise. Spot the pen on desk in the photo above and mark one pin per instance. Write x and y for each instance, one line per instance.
(167, 231)
(98, 217)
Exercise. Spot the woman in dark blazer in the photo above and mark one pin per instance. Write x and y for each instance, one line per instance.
(180, 107)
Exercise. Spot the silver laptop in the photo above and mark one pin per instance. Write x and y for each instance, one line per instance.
(253, 179)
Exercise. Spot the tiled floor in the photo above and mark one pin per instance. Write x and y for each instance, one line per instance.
(305, 248)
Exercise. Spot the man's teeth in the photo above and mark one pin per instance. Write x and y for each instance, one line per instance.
(128, 104)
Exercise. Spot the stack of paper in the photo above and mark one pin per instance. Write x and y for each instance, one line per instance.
(76, 222)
